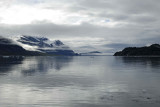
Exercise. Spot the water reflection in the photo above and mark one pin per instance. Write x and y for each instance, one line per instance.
(80, 81)
(31, 65)
(8, 63)
(141, 61)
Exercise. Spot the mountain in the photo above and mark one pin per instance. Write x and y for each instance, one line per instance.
(153, 50)
(92, 53)
(9, 47)
(33, 46)
(44, 45)
(41, 42)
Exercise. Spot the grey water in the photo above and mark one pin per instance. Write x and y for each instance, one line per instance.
(80, 81)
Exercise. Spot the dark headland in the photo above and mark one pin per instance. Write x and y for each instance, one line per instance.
(153, 50)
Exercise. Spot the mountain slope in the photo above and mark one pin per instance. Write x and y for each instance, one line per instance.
(9, 47)
(45, 45)
(153, 50)
(33, 46)
(92, 53)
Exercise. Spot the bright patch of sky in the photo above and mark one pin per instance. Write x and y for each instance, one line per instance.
(28, 11)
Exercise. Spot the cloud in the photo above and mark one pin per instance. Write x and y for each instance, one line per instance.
(85, 34)
(102, 24)
(118, 10)
(6, 2)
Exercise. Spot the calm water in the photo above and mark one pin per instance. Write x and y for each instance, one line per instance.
(83, 81)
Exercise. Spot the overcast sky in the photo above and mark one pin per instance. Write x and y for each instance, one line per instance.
(103, 25)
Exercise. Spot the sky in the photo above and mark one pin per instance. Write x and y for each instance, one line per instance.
(84, 25)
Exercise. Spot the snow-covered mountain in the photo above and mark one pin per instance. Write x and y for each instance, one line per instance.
(44, 45)
(33, 46)
(41, 42)
(10, 47)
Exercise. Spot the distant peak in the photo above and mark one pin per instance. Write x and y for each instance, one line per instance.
(58, 43)
(155, 45)
(94, 52)
(34, 38)
(41, 42)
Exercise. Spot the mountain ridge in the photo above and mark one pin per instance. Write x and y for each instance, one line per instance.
(39, 45)
(152, 50)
